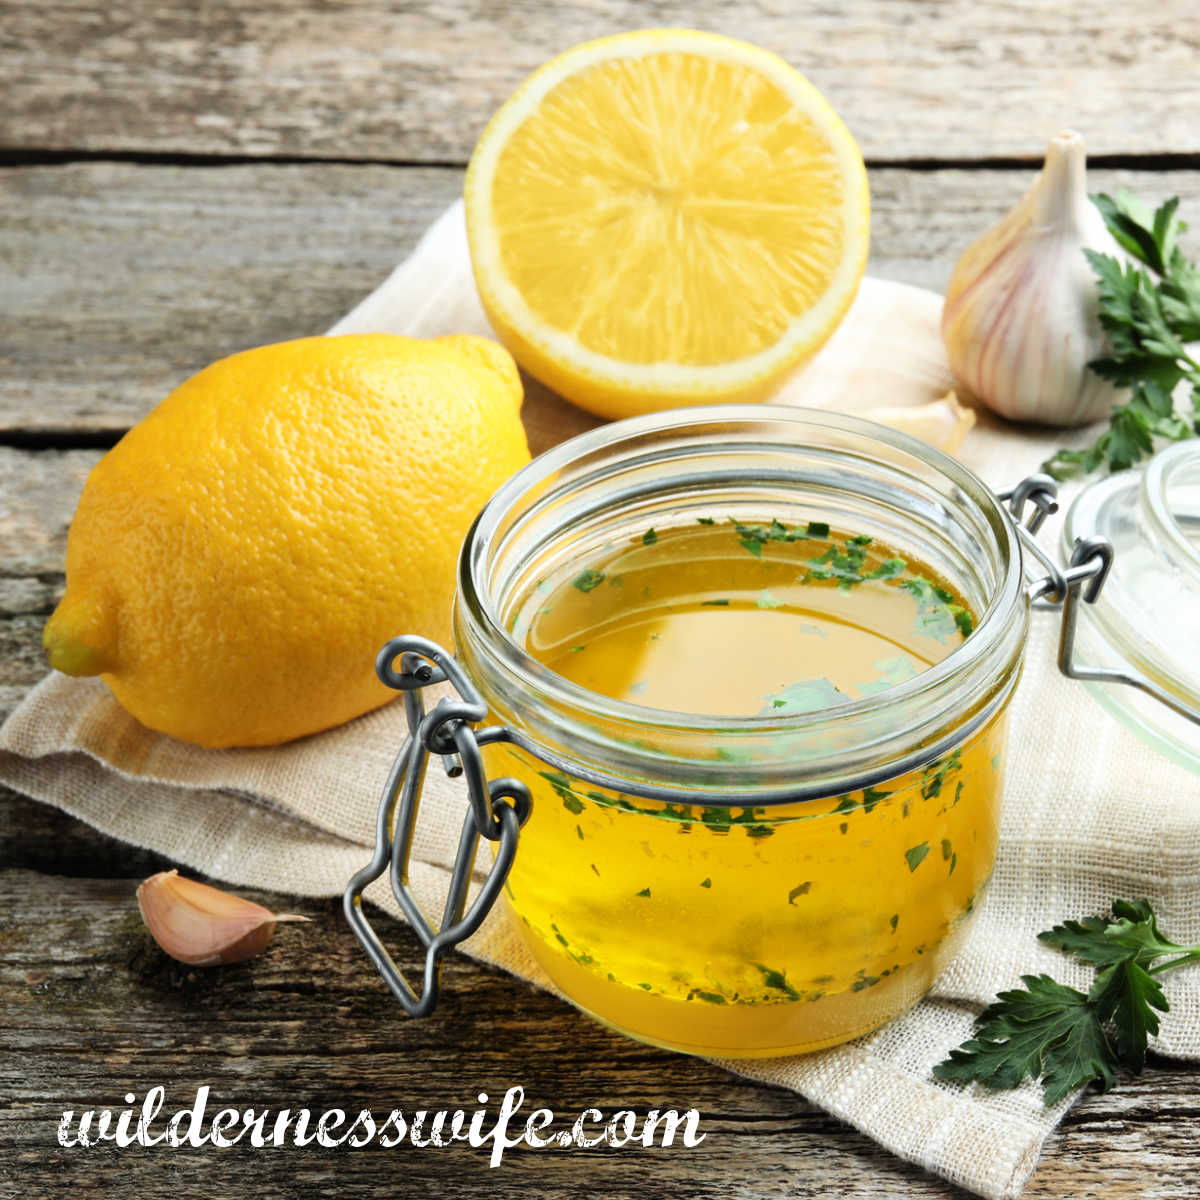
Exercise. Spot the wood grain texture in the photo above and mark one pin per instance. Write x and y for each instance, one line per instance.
(118, 279)
(309, 1024)
(122, 280)
(417, 82)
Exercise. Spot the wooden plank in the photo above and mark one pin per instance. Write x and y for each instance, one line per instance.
(122, 280)
(38, 494)
(417, 82)
(37, 837)
(308, 1024)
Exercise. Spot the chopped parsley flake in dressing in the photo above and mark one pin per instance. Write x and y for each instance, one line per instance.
(588, 580)
(897, 669)
(808, 695)
(915, 856)
(938, 613)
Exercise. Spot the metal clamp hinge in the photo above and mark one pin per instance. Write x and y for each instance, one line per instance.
(498, 808)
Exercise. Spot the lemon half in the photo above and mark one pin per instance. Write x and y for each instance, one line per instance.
(666, 218)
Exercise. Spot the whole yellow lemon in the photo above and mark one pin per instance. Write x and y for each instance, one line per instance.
(239, 557)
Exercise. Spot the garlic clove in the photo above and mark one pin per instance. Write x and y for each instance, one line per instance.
(942, 423)
(1020, 322)
(202, 925)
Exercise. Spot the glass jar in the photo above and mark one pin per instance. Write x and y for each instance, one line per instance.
(1148, 620)
(747, 886)
(753, 885)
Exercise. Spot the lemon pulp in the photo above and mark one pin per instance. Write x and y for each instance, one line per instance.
(663, 216)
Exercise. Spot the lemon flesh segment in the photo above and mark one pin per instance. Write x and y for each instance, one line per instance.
(660, 218)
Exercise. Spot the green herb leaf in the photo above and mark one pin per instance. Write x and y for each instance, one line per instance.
(562, 788)
(888, 569)
(645, 892)
(1043, 1031)
(845, 564)
(1058, 1034)
(1149, 314)
(1133, 930)
(896, 669)
(808, 695)
(588, 580)
(938, 613)
(649, 537)
(1126, 994)
(705, 521)
(714, 603)
(801, 889)
(915, 855)
(778, 981)
(934, 777)
(871, 797)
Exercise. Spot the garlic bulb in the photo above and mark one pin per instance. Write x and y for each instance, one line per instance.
(203, 925)
(1020, 319)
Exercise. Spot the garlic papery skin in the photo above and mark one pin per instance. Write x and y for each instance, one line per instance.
(202, 925)
(942, 423)
(1020, 320)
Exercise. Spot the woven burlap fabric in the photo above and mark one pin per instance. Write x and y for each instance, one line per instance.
(1090, 813)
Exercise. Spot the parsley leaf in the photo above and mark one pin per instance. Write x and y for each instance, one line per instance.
(588, 580)
(1126, 994)
(1066, 1039)
(806, 695)
(1043, 1031)
(778, 981)
(1133, 929)
(938, 613)
(915, 855)
(1148, 313)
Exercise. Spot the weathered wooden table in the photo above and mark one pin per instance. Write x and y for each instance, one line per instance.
(183, 180)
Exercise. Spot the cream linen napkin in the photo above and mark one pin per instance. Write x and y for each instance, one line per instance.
(1090, 813)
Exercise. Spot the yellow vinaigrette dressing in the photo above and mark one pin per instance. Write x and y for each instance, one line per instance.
(758, 930)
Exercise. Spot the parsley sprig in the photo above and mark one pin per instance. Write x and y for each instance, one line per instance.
(1064, 1037)
(1149, 313)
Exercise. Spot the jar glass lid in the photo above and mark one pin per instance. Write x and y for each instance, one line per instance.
(1147, 619)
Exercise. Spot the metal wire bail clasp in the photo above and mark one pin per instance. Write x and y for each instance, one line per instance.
(497, 811)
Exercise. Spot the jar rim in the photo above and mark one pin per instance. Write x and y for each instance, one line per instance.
(993, 627)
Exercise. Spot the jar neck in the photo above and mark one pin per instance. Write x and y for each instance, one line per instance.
(755, 462)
